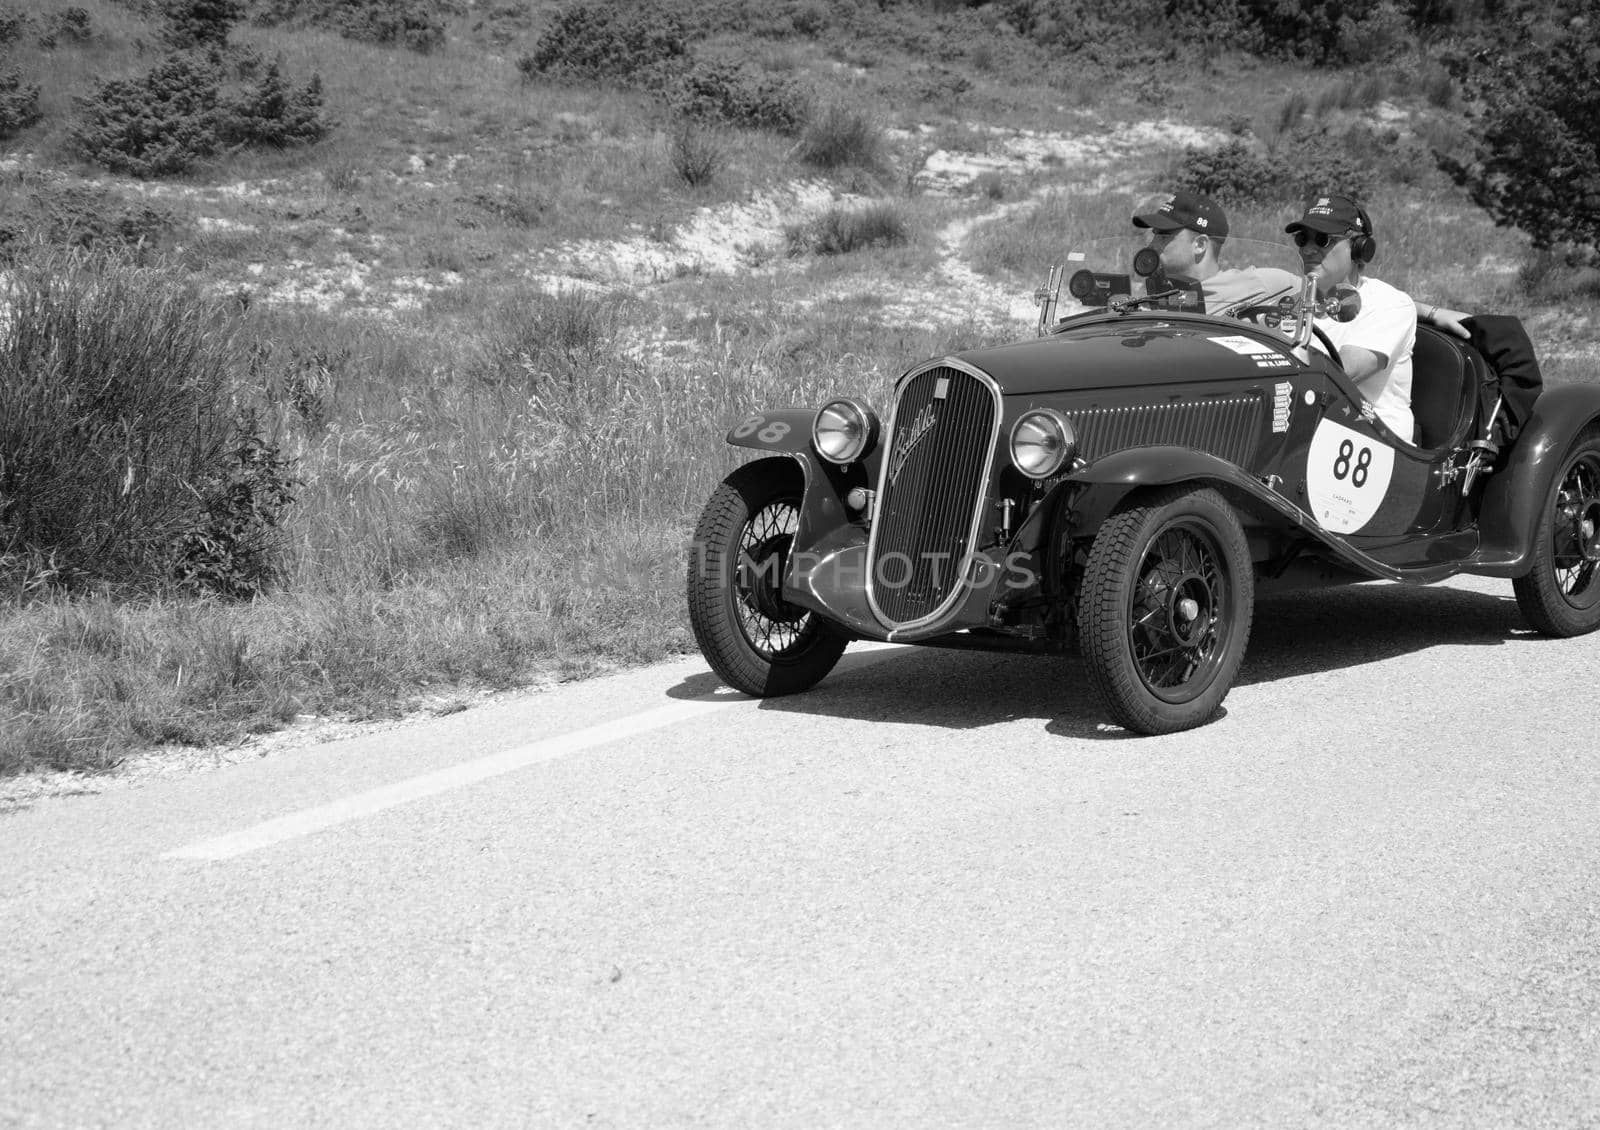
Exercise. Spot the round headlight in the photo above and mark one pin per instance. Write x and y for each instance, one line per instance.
(843, 430)
(1042, 442)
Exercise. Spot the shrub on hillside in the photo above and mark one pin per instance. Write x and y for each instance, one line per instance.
(199, 23)
(158, 124)
(1535, 157)
(19, 105)
(614, 41)
(123, 458)
(696, 156)
(276, 115)
(177, 114)
(13, 26)
(839, 231)
(720, 90)
(70, 25)
(841, 136)
(48, 213)
(417, 25)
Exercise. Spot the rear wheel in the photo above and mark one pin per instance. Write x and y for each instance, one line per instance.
(755, 640)
(1560, 595)
(1165, 607)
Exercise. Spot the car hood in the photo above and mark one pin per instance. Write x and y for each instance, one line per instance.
(1135, 351)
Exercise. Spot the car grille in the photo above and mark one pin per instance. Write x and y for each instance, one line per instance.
(1225, 426)
(932, 481)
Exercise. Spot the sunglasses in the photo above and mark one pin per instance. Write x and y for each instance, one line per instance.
(1320, 238)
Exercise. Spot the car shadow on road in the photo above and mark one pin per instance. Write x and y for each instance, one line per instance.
(1293, 634)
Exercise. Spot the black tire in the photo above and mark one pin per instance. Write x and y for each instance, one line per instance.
(1560, 595)
(755, 640)
(1164, 609)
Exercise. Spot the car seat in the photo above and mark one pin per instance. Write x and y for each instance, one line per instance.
(1445, 377)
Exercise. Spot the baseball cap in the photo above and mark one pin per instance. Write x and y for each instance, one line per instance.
(1185, 210)
(1332, 214)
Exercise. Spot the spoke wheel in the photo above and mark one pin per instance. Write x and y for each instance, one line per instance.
(1560, 594)
(757, 641)
(1165, 608)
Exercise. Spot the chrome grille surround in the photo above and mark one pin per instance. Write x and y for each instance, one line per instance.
(932, 487)
(1228, 427)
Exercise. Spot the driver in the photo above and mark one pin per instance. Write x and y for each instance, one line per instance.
(1188, 230)
(1336, 243)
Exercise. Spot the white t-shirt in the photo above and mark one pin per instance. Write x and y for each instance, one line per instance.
(1387, 324)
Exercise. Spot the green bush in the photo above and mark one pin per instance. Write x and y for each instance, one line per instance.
(13, 26)
(160, 123)
(1534, 163)
(123, 458)
(610, 42)
(841, 136)
(19, 105)
(276, 115)
(730, 92)
(72, 24)
(51, 214)
(417, 25)
(177, 114)
(696, 156)
(199, 23)
(839, 231)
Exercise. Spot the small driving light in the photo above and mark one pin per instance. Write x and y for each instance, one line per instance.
(843, 430)
(1042, 442)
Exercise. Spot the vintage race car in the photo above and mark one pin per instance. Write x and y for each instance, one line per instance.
(1127, 482)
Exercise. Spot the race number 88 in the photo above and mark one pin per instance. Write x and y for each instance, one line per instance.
(764, 431)
(1342, 468)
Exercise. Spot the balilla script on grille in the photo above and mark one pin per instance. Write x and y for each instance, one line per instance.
(921, 425)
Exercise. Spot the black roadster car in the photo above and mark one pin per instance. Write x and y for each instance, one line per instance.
(1127, 482)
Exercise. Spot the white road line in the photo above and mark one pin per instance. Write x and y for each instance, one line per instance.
(310, 820)
(316, 819)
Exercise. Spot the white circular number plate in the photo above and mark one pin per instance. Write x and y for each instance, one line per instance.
(1347, 475)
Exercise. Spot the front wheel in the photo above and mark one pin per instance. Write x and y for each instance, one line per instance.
(1560, 595)
(755, 640)
(1165, 607)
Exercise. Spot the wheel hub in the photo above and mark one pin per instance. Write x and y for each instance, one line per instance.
(762, 579)
(1188, 600)
(1588, 532)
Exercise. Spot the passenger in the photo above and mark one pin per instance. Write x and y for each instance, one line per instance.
(1336, 243)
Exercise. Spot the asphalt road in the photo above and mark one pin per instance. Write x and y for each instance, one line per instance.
(936, 891)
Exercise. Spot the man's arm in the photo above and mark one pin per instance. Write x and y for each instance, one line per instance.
(1360, 362)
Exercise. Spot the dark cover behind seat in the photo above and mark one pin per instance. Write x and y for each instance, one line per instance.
(1505, 346)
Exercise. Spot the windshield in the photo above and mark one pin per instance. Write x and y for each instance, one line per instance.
(1099, 272)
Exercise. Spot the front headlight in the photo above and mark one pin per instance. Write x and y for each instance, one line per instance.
(843, 430)
(1042, 442)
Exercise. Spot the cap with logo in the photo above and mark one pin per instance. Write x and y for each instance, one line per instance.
(1332, 214)
(1185, 210)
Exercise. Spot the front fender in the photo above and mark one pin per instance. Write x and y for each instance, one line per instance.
(780, 431)
(1514, 497)
(1123, 471)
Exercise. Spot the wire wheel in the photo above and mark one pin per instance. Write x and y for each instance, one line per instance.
(1179, 611)
(771, 625)
(1560, 594)
(1164, 609)
(757, 641)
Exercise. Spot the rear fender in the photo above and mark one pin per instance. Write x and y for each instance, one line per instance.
(1514, 497)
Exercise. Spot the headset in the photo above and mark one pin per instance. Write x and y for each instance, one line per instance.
(1363, 245)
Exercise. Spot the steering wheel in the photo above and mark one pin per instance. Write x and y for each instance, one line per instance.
(1258, 315)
